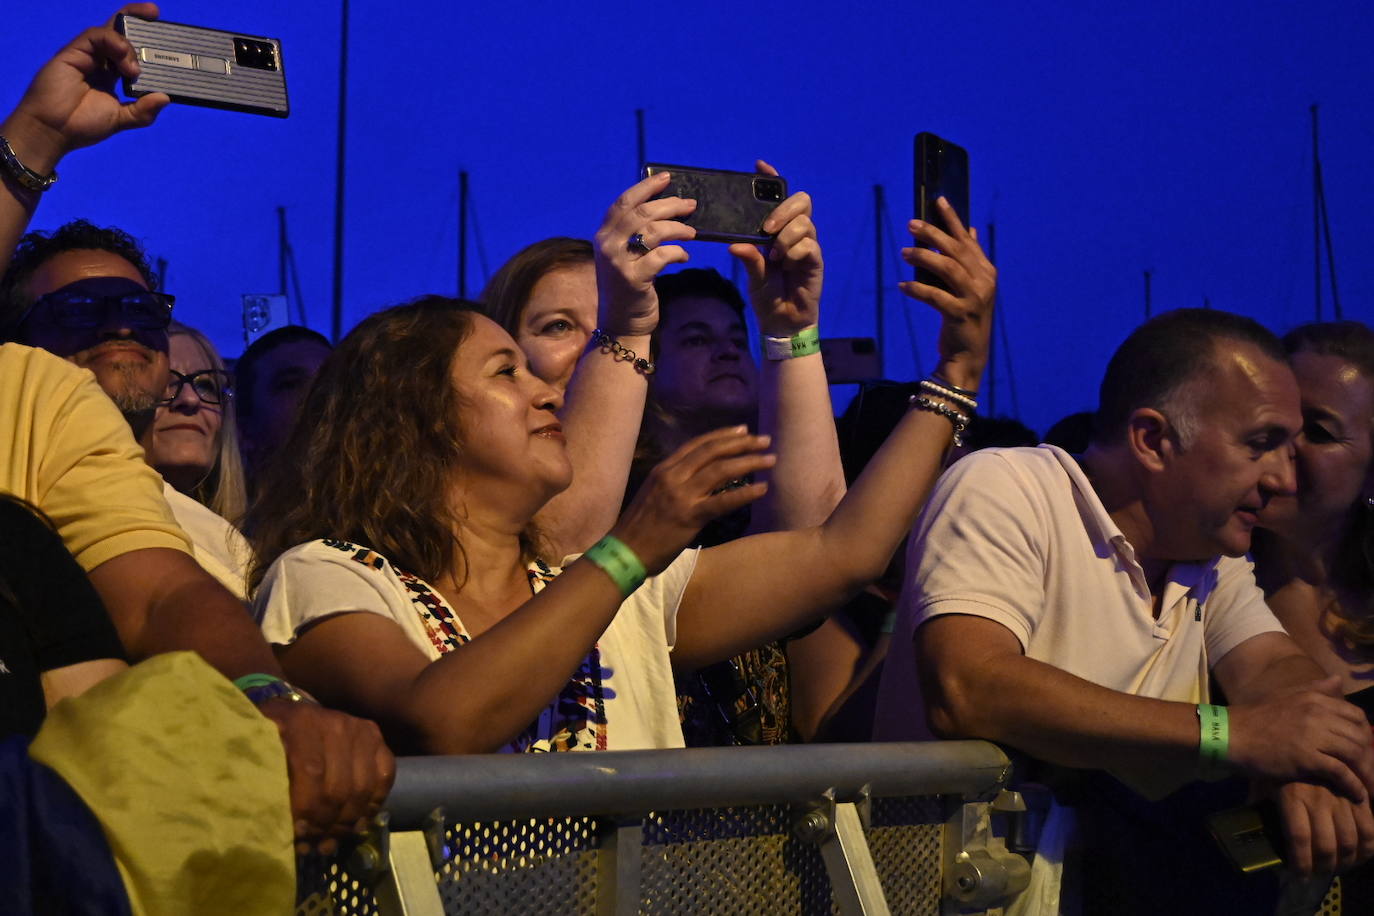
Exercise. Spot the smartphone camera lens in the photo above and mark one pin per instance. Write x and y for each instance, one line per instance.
(255, 55)
(768, 189)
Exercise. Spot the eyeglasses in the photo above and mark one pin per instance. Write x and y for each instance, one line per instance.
(210, 385)
(82, 311)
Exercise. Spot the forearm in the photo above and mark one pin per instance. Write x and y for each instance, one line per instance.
(479, 697)
(1063, 719)
(40, 151)
(808, 480)
(601, 419)
(205, 618)
(860, 536)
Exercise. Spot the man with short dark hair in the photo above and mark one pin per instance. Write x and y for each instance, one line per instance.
(1074, 611)
(64, 447)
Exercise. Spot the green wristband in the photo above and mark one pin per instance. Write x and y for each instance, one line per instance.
(619, 562)
(803, 343)
(1214, 736)
(249, 681)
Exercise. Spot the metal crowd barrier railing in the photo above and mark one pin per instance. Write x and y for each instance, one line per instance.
(856, 828)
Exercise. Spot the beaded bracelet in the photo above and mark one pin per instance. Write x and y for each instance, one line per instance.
(609, 344)
(944, 383)
(957, 419)
(949, 394)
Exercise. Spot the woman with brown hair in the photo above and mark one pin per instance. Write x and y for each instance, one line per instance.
(1315, 553)
(407, 584)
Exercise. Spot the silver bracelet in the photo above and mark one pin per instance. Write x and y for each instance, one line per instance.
(21, 173)
(609, 344)
(958, 420)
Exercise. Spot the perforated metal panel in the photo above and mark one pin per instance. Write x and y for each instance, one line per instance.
(543, 866)
(904, 837)
(325, 888)
(716, 861)
(727, 861)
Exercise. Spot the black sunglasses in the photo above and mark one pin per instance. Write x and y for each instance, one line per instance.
(147, 310)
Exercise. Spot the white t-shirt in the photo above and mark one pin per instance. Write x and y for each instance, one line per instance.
(1018, 536)
(620, 698)
(218, 546)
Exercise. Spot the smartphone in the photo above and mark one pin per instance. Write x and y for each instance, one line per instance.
(198, 66)
(850, 359)
(941, 171)
(731, 206)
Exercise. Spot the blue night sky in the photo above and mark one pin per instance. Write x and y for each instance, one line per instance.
(1104, 140)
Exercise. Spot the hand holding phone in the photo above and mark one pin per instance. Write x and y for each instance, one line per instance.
(731, 206)
(785, 278)
(941, 171)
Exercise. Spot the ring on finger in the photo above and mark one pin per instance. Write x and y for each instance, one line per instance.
(636, 244)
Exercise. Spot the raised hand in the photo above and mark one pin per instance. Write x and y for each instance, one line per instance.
(630, 253)
(966, 305)
(785, 283)
(71, 101)
(689, 488)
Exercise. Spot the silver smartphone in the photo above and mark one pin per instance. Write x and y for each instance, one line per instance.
(199, 66)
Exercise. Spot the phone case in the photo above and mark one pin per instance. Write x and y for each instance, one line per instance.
(199, 66)
(941, 171)
(731, 206)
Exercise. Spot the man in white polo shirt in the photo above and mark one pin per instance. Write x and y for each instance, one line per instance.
(1073, 609)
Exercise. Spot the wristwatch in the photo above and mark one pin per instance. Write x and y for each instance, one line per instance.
(276, 690)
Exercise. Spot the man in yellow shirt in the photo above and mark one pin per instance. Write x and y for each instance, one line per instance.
(65, 448)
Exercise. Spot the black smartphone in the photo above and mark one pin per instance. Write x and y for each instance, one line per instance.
(199, 66)
(941, 171)
(731, 206)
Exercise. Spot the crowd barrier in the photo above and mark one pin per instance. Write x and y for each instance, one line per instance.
(808, 829)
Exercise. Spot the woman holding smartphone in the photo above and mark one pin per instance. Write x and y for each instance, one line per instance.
(409, 583)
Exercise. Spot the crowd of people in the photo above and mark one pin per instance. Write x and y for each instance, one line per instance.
(578, 515)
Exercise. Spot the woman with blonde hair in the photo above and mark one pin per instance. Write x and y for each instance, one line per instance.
(193, 443)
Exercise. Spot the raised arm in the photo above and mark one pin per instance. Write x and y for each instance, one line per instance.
(758, 588)
(70, 104)
(794, 398)
(604, 403)
(481, 695)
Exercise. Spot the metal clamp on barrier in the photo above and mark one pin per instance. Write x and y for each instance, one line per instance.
(980, 873)
(838, 829)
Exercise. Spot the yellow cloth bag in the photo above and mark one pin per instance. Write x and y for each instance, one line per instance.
(188, 781)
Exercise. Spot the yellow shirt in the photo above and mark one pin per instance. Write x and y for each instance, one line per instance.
(65, 448)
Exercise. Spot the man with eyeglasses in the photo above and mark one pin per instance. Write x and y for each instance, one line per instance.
(63, 449)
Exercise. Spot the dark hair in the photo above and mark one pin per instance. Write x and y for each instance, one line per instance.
(1072, 433)
(36, 248)
(660, 426)
(246, 367)
(1158, 360)
(694, 282)
(1353, 570)
(508, 291)
(373, 446)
